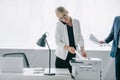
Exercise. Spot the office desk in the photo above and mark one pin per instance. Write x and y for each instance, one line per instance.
(37, 58)
(36, 74)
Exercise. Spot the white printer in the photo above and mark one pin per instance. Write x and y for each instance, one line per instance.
(87, 69)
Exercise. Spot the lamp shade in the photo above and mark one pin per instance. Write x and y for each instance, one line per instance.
(42, 41)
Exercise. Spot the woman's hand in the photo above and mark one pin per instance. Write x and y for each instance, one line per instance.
(84, 54)
(102, 42)
(71, 50)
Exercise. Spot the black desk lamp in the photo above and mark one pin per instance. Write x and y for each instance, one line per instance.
(42, 42)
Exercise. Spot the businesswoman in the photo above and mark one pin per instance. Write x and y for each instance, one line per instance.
(68, 37)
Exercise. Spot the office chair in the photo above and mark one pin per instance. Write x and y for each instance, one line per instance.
(25, 60)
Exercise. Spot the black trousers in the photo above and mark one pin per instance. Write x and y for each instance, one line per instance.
(59, 63)
(117, 64)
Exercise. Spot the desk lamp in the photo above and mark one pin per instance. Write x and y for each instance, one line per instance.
(42, 42)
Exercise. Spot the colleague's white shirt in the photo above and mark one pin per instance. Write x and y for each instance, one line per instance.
(61, 38)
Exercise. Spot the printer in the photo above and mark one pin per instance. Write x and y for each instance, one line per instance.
(87, 69)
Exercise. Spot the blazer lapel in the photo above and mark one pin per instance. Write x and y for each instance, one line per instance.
(118, 26)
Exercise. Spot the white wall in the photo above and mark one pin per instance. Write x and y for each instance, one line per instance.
(22, 22)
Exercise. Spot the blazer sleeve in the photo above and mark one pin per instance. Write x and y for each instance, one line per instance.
(111, 35)
(81, 40)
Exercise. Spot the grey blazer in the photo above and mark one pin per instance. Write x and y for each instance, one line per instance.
(61, 38)
(114, 36)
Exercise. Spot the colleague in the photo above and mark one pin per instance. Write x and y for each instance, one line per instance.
(67, 37)
(115, 50)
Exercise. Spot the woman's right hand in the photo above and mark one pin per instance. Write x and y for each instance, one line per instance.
(71, 50)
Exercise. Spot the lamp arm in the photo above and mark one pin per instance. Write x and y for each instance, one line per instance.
(49, 56)
(48, 45)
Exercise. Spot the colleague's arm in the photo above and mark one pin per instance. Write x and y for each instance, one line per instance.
(111, 35)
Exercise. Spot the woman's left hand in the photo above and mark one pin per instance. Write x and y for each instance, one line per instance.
(84, 54)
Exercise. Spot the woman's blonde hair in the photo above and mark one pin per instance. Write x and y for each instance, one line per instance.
(60, 9)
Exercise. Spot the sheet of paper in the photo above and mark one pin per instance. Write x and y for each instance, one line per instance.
(78, 54)
(93, 38)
